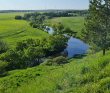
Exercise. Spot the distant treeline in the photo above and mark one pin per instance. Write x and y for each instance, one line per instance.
(6, 11)
(80, 12)
(51, 14)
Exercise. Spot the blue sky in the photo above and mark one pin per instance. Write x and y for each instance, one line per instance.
(43, 4)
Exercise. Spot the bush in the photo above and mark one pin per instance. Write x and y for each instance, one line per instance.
(60, 60)
(3, 46)
(56, 61)
(48, 62)
(18, 17)
(3, 66)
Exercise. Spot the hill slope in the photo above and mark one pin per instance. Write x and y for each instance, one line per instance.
(12, 30)
(89, 74)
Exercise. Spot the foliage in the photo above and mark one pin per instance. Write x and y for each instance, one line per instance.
(18, 17)
(97, 24)
(3, 66)
(15, 59)
(35, 52)
(28, 50)
(3, 46)
(60, 60)
(55, 61)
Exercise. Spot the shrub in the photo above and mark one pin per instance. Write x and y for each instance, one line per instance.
(60, 60)
(56, 61)
(3, 46)
(18, 17)
(3, 66)
(48, 62)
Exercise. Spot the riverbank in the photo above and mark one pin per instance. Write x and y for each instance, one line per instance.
(75, 46)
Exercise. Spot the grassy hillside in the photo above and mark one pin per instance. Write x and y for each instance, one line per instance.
(74, 23)
(12, 30)
(87, 74)
(83, 74)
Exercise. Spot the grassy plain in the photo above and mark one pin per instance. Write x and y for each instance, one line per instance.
(12, 30)
(74, 23)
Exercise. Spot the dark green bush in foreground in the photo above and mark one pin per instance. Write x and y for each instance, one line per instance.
(56, 61)
(3, 66)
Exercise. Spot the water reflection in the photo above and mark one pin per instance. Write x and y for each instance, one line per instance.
(75, 46)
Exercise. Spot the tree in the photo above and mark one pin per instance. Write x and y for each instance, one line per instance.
(97, 24)
(3, 66)
(3, 46)
(18, 17)
(35, 52)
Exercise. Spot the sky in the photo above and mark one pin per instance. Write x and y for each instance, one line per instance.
(43, 4)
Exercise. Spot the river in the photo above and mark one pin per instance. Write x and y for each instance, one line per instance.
(75, 46)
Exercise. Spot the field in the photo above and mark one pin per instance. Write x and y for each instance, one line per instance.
(12, 30)
(74, 23)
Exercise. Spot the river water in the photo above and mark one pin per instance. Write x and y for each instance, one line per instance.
(75, 46)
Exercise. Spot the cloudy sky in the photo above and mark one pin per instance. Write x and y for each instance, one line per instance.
(43, 4)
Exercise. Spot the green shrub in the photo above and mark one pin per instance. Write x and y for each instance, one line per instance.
(3, 66)
(3, 46)
(56, 61)
(60, 60)
(48, 62)
(18, 17)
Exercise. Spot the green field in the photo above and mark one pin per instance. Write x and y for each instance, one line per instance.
(12, 30)
(74, 23)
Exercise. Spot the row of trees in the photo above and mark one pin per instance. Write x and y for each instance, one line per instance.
(53, 14)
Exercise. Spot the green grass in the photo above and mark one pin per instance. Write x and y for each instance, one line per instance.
(90, 74)
(74, 23)
(12, 30)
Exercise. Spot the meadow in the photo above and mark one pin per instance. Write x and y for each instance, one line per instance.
(74, 23)
(12, 30)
